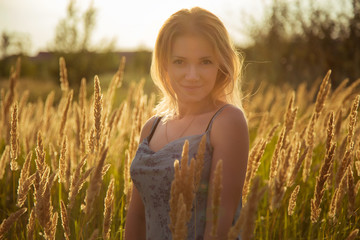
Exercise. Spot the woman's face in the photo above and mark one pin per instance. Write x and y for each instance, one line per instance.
(192, 69)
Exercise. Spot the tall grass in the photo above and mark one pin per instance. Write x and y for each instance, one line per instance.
(64, 168)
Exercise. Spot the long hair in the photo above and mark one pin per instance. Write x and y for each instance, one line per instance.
(197, 21)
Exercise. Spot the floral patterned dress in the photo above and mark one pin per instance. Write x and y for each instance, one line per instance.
(152, 173)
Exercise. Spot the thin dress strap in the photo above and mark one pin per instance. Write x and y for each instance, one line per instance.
(213, 117)
(156, 122)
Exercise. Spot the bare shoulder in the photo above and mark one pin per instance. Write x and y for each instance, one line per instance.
(230, 125)
(146, 129)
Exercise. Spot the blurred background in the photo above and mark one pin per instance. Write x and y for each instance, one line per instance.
(283, 41)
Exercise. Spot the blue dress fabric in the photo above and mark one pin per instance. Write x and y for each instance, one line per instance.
(152, 173)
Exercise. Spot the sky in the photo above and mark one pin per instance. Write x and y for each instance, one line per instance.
(133, 24)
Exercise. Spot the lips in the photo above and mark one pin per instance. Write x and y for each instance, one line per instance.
(191, 87)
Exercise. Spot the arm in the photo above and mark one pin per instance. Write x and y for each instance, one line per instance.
(135, 217)
(230, 140)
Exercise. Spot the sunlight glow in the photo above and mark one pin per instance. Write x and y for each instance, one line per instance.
(133, 24)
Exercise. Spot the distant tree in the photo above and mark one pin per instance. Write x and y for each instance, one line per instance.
(300, 40)
(14, 43)
(69, 36)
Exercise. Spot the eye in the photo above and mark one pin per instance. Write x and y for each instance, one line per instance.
(207, 62)
(178, 61)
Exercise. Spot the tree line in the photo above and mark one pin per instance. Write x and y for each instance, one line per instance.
(297, 41)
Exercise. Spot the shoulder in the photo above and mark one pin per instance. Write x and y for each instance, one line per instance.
(230, 117)
(146, 129)
(229, 125)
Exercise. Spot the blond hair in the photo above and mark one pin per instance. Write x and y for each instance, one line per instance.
(197, 21)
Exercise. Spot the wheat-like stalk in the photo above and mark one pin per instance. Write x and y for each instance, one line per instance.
(77, 181)
(292, 200)
(8, 222)
(108, 209)
(310, 146)
(337, 197)
(253, 164)
(65, 115)
(174, 196)
(5, 157)
(275, 158)
(14, 139)
(351, 191)
(82, 94)
(353, 234)
(199, 162)
(65, 220)
(323, 92)
(94, 234)
(97, 112)
(95, 182)
(352, 121)
(30, 227)
(320, 184)
(62, 161)
(47, 111)
(64, 82)
(180, 230)
(246, 220)
(216, 197)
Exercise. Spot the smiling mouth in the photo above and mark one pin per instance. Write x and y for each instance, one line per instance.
(191, 87)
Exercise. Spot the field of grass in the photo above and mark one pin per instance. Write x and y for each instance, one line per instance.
(64, 168)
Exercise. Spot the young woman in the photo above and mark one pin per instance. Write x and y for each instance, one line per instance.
(197, 70)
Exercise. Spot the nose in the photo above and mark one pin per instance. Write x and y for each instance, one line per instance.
(192, 72)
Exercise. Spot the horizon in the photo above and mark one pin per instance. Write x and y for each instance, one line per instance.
(134, 33)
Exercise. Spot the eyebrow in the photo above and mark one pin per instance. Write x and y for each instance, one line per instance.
(185, 57)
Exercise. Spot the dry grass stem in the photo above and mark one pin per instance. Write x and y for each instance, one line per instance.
(292, 200)
(174, 196)
(8, 222)
(180, 231)
(97, 112)
(182, 184)
(65, 115)
(310, 146)
(14, 138)
(199, 161)
(82, 133)
(323, 92)
(23, 190)
(352, 121)
(40, 155)
(321, 183)
(5, 157)
(330, 131)
(245, 224)
(337, 197)
(47, 111)
(253, 164)
(30, 227)
(272, 132)
(94, 235)
(351, 191)
(353, 234)
(216, 197)
(82, 94)
(357, 165)
(62, 161)
(77, 181)
(95, 182)
(345, 162)
(65, 220)
(275, 158)
(108, 209)
(64, 82)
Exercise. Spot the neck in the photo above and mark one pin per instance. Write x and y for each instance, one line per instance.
(191, 109)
